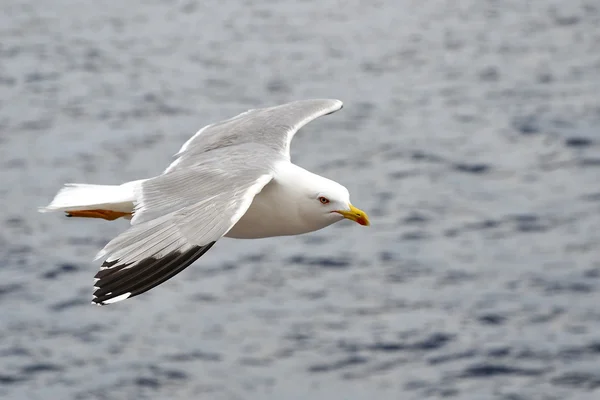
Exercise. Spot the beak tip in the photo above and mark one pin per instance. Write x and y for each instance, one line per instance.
(356, 215)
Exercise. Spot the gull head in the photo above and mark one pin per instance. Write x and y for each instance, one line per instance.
(302, 201)
(334, 203)
(329, 201)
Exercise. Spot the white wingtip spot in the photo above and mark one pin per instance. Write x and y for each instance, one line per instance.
(118, 298)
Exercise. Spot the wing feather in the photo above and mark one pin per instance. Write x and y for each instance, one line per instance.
(180, 214)
(273, 127)
(127, 283)
(179, 217)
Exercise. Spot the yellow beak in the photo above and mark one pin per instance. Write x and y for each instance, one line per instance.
(356, 215)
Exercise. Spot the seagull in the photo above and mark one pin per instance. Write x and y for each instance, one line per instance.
(233, 178)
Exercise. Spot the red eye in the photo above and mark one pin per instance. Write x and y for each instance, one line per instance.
(323, 200)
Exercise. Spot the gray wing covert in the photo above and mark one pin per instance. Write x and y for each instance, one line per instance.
(273, 127)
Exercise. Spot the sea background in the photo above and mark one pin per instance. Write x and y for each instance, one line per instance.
(470, 133)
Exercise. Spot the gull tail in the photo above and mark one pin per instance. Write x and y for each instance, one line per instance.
(95, 201)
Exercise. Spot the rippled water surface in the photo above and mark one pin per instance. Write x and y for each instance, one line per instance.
(470, 133)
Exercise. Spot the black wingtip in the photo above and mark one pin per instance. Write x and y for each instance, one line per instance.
(117, 282)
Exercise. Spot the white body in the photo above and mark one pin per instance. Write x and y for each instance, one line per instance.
(275, 211)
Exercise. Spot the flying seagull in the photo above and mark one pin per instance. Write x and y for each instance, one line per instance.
(233, 178)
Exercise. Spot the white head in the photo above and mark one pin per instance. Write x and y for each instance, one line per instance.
(333, 201)
(324, 201)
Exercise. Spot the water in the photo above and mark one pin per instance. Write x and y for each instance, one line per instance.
(470, 134)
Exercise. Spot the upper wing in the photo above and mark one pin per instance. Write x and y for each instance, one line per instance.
(273, 127)
(179, 216)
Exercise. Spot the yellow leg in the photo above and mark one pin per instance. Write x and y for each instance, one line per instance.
(104, 214)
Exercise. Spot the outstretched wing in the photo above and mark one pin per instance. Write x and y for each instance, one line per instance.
(179, 216)
(273, 127)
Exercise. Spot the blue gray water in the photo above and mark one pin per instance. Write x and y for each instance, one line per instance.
(470, 134)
